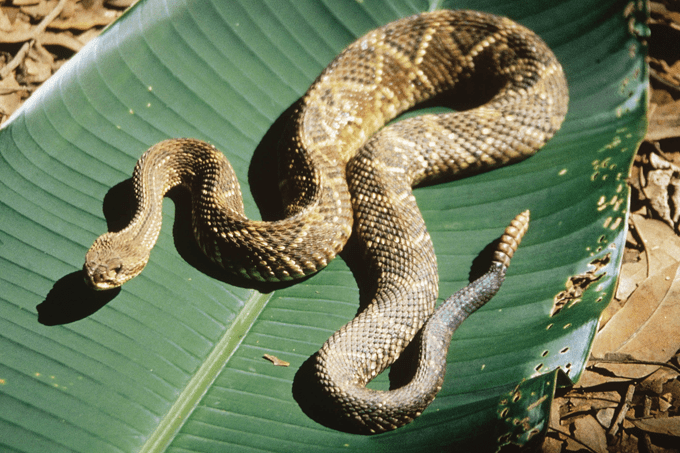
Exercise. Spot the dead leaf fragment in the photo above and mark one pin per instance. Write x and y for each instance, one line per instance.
(5, 23)
(661, 244)
(655, 382)
(552, 445)
(589, 432)
(605, 416)
(669, 426)
(665, 402)
(11, 96)
(36, 71)
(660, 185)
(647, 328)
(664, 122)
(631, 275)
(275, 360)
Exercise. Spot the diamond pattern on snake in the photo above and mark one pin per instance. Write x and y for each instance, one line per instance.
(342, 172)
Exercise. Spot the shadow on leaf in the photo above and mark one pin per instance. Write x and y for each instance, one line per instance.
(71, 299)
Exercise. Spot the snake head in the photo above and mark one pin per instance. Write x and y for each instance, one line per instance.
(110, 262)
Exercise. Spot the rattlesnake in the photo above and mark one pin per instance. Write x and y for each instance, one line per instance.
(337, 175)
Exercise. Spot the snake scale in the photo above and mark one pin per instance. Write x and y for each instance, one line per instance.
(341, 172)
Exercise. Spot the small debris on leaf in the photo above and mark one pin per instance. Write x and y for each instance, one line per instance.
(275, 360)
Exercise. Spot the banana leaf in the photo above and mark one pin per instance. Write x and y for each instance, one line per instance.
(174, 360)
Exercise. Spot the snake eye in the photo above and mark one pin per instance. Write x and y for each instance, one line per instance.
(118, 268)
(114, 267)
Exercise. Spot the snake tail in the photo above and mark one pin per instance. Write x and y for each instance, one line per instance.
(374, 411)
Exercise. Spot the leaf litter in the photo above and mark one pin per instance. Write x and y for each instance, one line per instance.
(628, 398)
(38, 36)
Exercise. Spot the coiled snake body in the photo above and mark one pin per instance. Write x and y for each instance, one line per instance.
(337, 175)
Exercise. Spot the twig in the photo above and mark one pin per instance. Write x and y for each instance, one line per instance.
(10, 90)
(49, 18)
(16, 61)
(646, 439)
(632, 361)
(622, 411)
(671, 86)
(61, 39)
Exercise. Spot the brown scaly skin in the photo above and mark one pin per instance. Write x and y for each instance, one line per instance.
(339, 176)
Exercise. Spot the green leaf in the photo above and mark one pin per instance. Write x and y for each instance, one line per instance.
(174, 359)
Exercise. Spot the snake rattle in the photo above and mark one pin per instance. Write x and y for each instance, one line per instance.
(343, 173)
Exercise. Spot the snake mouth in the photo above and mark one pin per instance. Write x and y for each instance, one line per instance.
(99, 286)
(96, 280)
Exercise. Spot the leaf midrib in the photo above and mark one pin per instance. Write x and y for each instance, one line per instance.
(206, 374)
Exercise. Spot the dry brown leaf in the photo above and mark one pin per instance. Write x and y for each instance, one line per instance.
(552, 445)
(605, 416)
(631, 275)
(591, 378)
(589, 432)
(654, 383)
(86, 19)
(665, 122)
(5, 23)
(665, 402)
(657, 192)
(36, 71)
(662, 245)
(638, 328)
(661, 186)
(38, 10)
(669, 426)
(602, 400)
(673, 387)
(647, 328)
(11, 97)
